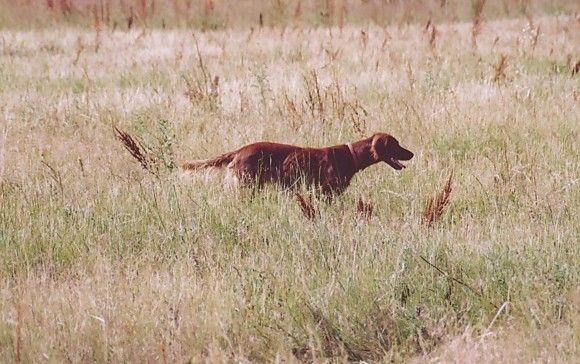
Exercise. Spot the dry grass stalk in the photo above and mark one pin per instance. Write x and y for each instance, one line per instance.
(428, 25)
(208, 7)
(134, 148)
(200, 58)
(202, 88)
(306, 206)
(332, 55)
(215, 85)
(4, 136)
(477, 19)
(386, 38)
(198, 91)
(298, 10)
(433, 38)
(500, 68)
(65, 6)
(359, 123)
(457, 280)
(179, 56)
(535, 38)
(327, 12)
(364, 38)
(106, 12)
(317, 87)
(534, 32)
(332, 342)
(18, 333)
(142, 9)
(410, 76)
(244, 103)
(434, 207)
(343, 13)
(81, 166)
(324, 103)
(55, 175)
(98, 28)
(292, 110)
(576, 68)
(431, 31)
(130, 18)
(87, 86)
(80, 48)
(314, 98)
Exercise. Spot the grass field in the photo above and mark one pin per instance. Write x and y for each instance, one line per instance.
(103, 260)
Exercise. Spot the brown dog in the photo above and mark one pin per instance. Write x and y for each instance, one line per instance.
(330, 169)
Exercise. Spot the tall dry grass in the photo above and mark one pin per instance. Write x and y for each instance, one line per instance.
(101, 260)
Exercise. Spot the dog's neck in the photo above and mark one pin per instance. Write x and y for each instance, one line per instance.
(362, 154)
(354, 156)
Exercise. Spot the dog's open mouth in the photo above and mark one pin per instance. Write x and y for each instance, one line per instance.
(402, 155)
(395, 163)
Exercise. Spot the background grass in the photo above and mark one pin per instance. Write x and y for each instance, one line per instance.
(245, 14)
(101, 260)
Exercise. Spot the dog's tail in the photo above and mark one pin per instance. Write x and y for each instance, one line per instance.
(219, 161)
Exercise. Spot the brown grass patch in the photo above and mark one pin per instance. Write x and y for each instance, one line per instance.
(364, 209)
(306, 206)
(499, 73)
(434, 207)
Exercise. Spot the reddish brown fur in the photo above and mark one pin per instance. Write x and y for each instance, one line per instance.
(330, 169)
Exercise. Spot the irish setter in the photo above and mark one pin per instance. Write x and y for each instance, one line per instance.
(330, 169)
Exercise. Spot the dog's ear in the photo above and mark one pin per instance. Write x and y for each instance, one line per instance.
(379, 147)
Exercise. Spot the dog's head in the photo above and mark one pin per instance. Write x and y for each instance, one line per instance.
(386, 148)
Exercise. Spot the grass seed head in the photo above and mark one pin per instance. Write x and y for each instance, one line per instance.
(133, 147)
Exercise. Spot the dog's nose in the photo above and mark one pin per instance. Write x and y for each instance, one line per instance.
(407, 154)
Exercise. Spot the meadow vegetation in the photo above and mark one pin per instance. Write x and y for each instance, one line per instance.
(107, 258)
